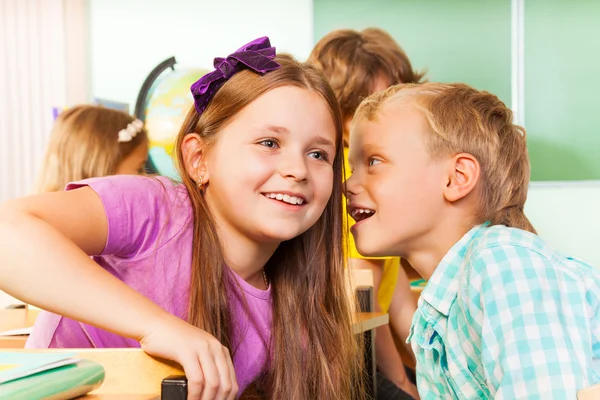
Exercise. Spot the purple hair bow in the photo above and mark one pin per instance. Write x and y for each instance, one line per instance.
(257, 56)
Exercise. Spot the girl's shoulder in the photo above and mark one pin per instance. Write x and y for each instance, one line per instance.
(132, 182)
(137, 189)
(140, 211)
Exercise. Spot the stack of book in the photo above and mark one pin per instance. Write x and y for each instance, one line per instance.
(57, 376)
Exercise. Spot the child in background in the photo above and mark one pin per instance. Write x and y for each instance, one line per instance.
(443, 173)
(91, 141)
(238, 273)
(358, 64)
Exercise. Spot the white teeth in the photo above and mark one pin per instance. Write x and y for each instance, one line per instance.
(286, 198)
(358, 211)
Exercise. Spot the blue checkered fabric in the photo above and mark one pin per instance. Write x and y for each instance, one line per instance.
(506, 316)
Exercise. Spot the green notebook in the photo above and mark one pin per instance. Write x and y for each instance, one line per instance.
(49, 376)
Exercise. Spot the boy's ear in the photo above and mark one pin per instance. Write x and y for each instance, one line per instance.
(194, 157)
(463, 176)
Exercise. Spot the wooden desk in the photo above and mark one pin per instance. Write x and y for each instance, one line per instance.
(24, 318)
(135, 374)
(366, 321)
(16, 319)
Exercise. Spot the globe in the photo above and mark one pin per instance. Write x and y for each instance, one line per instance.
(167, 105)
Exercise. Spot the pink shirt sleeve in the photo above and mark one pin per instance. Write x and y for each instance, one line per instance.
(143, 213)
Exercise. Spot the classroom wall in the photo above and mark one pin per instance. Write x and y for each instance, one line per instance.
(470, 41)
(6, 300)
(42, 65)
(567, 214)
(130, 37)
(459, 40)
(562, 86)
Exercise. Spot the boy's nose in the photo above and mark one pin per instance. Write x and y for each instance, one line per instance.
(350, 186)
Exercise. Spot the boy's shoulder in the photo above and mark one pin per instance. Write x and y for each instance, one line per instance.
(500, 235)
(497, 250)
(501, 238)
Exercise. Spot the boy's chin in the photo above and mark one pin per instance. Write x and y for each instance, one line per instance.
(372, 250)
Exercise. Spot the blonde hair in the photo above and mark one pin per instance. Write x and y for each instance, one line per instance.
(84, 144)
(353, 61)
(312, 315)
(465, 120)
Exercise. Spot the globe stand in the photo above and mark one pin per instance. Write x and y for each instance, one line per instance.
(140, 103)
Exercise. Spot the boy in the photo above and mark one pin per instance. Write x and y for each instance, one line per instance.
(440, 177)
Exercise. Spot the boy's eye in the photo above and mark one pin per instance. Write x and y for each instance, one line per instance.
(373, 161)
(319, 155)
(269, 143)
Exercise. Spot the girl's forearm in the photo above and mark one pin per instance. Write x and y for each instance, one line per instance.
(42, 267)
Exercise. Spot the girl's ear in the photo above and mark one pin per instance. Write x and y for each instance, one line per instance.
(194, 157)
(463, 175)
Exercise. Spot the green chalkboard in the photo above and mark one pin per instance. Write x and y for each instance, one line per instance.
(562, 88)
(456, 41)
(470, 41)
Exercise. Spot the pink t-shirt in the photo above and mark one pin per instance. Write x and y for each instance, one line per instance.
(149, 247)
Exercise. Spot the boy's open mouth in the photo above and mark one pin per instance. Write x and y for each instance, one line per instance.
(359, 214)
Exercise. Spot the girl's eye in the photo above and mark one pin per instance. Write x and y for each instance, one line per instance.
(269, 143)
(373, 161)
(319, 155)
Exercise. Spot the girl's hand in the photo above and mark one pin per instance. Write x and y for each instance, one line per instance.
(206, 362)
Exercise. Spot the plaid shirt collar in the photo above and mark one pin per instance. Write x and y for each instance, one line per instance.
(442, 287)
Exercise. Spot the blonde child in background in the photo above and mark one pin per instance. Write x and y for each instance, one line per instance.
(444, 174)
(358, 64)
(90, 141)
(237, 274)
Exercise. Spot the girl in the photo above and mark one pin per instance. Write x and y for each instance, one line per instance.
(247, 250)
(90, 141)
(358, 64)
(440, 176)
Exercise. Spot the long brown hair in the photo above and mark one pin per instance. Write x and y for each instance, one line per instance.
(314, 353)
(353, 61)
(466, 120)
(84, 144)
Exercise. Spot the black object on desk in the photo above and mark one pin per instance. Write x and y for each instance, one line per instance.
(174, 387)
(366, 302)
(15, 307)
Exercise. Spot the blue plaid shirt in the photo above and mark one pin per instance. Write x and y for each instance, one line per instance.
(505, 316)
